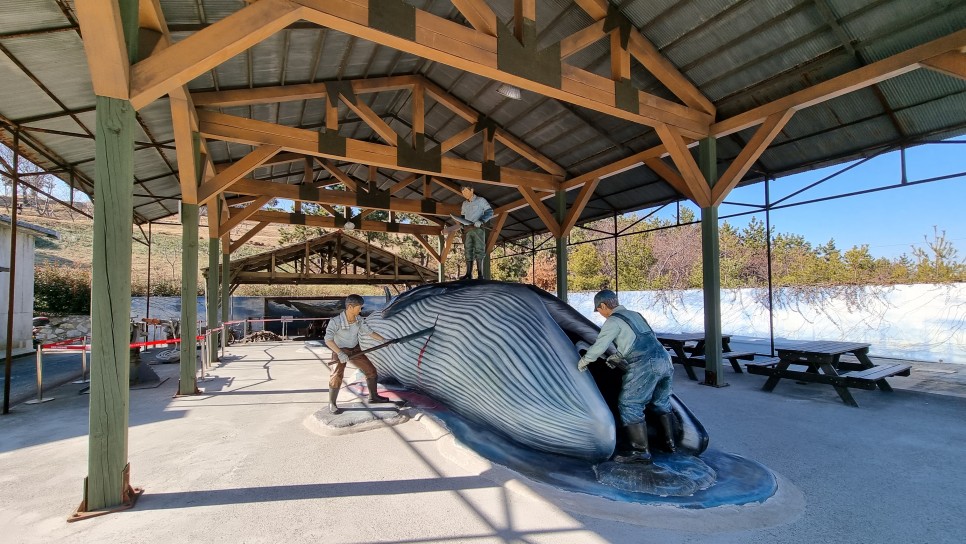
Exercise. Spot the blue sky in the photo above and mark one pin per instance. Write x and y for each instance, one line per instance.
(890, 222)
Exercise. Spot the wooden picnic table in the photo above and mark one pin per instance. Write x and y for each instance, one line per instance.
(688, 350)
(823, 364)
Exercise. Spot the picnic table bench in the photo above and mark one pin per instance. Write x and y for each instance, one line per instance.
(687, 350)
(823, 364)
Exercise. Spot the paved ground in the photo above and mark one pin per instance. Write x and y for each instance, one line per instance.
(245, 462)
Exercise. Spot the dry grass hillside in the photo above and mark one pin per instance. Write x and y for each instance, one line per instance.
(74, 249)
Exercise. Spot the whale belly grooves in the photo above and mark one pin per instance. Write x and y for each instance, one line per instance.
(498, 357)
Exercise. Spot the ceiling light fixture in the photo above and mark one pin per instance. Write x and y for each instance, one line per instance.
(509, 91)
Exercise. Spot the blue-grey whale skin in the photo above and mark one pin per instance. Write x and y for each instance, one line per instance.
(503, 355)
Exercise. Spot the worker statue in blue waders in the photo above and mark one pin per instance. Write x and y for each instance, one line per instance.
(342, 337)
(647, 373)
(476, 211)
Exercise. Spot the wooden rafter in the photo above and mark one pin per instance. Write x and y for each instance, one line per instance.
(181, 62)
(338, 174)
(330, 223)
(372, 119)
(542, 212)
(427, 246)
(699, 188)
(494, 233)
(107, 56)
(582, 39)
(337, 198)
(479, 15)
(448, 246)
(573, 214)
(749, 154)
(305, 91)
(239, 215)
(859, 78)
(248, 235)
(669, 175)
(952, 63)
(248, 131)
(455, 140)
(224, 179)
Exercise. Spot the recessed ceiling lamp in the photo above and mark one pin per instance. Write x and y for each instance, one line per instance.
(509, 91)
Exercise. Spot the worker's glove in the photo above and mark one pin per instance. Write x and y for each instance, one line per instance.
(343, 358)
(617, 361)
(582, 364)
(477, 224)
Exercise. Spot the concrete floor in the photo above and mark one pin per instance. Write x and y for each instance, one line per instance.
(245, 462)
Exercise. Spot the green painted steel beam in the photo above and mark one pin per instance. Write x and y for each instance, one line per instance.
(561, 203)
(107, 466)
(441, 270)
(710, 262)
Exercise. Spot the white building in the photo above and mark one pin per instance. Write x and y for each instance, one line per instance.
(23, 304)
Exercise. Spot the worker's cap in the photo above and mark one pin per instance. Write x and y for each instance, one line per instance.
(604, 296)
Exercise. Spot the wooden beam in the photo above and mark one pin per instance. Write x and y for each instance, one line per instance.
(595, 8)
(448, 246)
(262, 278)
(455, 140)
(372, 119)
(952, 64)
(865, 76)
(426, 245)
(304, 91)
(478, 14)
(248, 236)
(239, 169)
(448, 185)
(399, 186)
(419, 110)
(338, 174)
(686, 164)
(187, 59)
(238, 200)
(184, 150)
(330, 223)
(335, 198)
(495, 232)
(523, 10)
(239, 215)
(573, 214)
(542, 212)
(670, 175)
(104, 45)
(239, 129)
(620, 59)
(440, 40)
(582, 39)
(752, 150)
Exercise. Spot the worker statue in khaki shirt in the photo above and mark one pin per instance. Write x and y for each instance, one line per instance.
(342, 337)
(647, 373)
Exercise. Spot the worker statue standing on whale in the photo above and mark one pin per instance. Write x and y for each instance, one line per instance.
(647, 373)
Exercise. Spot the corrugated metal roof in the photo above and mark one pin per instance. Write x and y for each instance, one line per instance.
(740, 53)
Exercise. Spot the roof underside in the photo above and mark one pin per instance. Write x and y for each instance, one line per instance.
(738, 53)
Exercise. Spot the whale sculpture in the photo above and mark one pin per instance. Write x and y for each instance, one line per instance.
(503, 355)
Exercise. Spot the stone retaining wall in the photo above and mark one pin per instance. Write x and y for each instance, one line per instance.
(64, 327)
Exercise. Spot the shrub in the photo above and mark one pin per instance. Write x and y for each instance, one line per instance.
(62, 290)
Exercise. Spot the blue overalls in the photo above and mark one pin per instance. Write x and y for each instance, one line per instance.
(647, 379)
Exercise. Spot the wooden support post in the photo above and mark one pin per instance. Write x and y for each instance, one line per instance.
(561, 248)
(710, 259)
(12, 270)
(211, 297)
(225, 281)
(107, 485)
(188, 384)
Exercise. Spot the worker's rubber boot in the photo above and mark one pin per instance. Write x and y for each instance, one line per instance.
(469, 270)
(667, 425)
(333, 395)
(374, 395)
(479, 269)
(639, 453)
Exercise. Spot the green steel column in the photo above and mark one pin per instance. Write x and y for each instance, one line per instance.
(107, 465)
(211, 298)
(710, 259)
(189, 298)
(561, 203)
(225, 290)
(441, 271)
